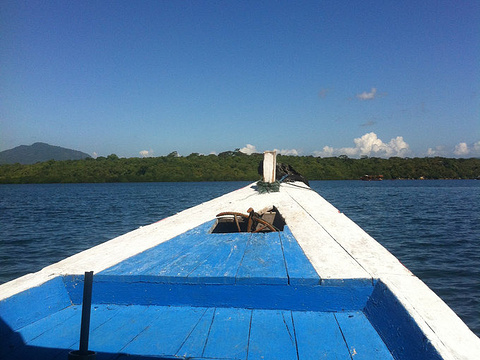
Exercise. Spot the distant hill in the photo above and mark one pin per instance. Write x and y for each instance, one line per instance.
(39, 152)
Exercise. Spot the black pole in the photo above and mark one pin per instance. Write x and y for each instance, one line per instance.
(83, 352)
(86, 307)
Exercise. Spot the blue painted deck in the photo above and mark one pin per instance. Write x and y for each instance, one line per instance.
(198, 257)
(202, 296)
(203, 333)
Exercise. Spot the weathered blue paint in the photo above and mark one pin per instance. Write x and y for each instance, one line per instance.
(319, 336)
(165, 333)
(119, 325)
(162, 255)
(59, 336)
(200, 257)
(194, 256)
(129, 290)
(362, 340)
(20, 310)
(272, 335)
(397, 328)
(263, 261)
(13, 342)
(194, 345)
(299, 268)
(228, 334)
(222, 264)
(198, 332)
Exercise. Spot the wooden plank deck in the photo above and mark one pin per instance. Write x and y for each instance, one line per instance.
(203, 333)
(199, 257)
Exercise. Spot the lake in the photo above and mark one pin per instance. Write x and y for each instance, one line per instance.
(432, 227)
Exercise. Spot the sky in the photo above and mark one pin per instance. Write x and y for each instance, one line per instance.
(323, 78)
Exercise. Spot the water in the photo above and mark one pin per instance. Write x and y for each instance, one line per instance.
(432, 227)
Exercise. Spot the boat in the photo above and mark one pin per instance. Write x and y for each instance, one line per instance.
(215, 282)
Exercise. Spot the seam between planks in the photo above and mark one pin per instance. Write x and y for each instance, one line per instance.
(343, 336)
(249, 333)
(295, 335)
(208, 334)
(284, 259)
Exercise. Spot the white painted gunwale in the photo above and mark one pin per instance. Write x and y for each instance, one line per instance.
(337, 248)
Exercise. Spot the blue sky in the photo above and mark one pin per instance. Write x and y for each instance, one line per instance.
(143, 78)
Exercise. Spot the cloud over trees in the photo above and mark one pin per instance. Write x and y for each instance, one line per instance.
(369, 145)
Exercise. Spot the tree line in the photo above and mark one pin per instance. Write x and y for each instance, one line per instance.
(233, 166)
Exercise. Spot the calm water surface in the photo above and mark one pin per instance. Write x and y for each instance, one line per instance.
(432, 227)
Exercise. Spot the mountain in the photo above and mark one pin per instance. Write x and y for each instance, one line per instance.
(39, 152)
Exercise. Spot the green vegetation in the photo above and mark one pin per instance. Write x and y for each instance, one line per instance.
(232, 165)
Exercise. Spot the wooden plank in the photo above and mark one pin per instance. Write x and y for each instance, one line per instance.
(116, 332)
(228, 336)
(362, 340)
(16, 340)
(199, 249)
(272, 335)
(328, 257)
(13, 310)
(194, 345)
(263, 261)
(318, 336)
(166, 334)
(152, 260)
(48, 344)
(299, 268)
(223, 263)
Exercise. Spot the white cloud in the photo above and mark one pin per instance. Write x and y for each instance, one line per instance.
(327, 151)
(367, 96)
(288, 152)
(146, 153)
(476, 148)
(461, 149)
(370, 145)
(249, 149)
(94, 155)
(438, 151)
